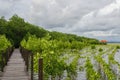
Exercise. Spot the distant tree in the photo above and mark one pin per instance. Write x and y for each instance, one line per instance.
(3, 24)
(36, 30)
(16, 29)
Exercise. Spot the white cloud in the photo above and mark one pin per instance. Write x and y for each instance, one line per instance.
(91, 18)
(102, 33)
(100, 22)
(59, 13)
(110, 8)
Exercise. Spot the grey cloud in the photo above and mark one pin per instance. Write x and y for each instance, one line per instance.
(10, 7)
(65, 12)
(5, 7)
(69, 16)
(98, 23)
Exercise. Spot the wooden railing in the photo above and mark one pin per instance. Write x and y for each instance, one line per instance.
(28, 58)
(5, 55)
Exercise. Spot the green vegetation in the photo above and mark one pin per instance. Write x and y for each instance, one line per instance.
(93, 47)
(16, 29)
(52, 51)
(4, 44)
(106, 68)
(64, 55)
(91, 73)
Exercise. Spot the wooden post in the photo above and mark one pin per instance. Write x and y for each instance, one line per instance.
(27, 59)
(27, 62)
(32, 71)
(5, 56)
(40, 74)
(2, 62)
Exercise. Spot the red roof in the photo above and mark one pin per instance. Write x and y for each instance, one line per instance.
(104, 41)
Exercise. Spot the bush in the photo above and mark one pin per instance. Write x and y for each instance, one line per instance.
(100, 50)
(118, 47)
(93, 47)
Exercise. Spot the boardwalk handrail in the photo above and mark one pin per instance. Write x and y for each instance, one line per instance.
(5, 55)
(15, 68)
(28, 58)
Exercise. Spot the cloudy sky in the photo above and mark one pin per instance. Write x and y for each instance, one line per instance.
(91, 18)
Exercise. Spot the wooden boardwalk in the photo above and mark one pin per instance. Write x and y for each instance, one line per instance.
(15, 69)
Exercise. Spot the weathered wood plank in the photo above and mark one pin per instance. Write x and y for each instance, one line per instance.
(15, 78)
(14, 74)
(15, 69)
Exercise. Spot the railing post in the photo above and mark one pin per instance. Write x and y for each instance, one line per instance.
(2, 62)
(6, 56)
(27, 61)
(32, 71)
(40, 72)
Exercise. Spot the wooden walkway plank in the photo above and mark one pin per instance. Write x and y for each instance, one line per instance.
(15, 69)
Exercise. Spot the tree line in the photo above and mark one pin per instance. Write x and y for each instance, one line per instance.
(16, 28)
